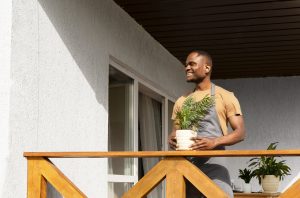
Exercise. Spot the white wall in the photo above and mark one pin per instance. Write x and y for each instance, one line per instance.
(5, 52)
(271, 108)
(59, 93)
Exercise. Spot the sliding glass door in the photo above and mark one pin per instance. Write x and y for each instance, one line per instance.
(138, 121)
(120, 136)
(150, 135)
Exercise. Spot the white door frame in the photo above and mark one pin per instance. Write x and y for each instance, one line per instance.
(139, 79)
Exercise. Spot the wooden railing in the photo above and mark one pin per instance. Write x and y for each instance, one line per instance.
(173, 167)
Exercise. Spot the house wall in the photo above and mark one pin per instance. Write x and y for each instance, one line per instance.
(5, 52)
(59, 92)
(271, 111)
(54, 89)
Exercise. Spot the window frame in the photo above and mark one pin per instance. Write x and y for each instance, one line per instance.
(139, 83)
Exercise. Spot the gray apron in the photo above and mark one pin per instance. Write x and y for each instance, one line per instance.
(213, 167)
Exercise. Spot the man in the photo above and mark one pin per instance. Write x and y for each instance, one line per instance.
(212, 134)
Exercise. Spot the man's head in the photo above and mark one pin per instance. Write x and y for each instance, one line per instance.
(198, 66)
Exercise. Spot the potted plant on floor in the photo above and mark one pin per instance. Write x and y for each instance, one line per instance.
(269, 171)
(246, 175)
(188, 119)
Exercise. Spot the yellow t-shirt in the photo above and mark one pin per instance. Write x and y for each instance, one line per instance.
(226, 105)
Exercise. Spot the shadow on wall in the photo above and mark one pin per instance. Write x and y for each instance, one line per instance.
(76, 24)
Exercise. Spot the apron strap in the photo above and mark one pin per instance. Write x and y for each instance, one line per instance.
(212, 89)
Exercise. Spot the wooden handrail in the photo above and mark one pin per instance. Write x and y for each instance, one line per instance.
(173, 167)
(216, 153)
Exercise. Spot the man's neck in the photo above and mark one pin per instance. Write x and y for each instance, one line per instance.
(203, 85)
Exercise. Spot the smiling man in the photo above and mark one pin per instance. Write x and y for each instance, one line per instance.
(212, 133)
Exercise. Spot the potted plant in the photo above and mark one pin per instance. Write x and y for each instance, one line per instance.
(246, 175)
(269, 171)
(188, 119)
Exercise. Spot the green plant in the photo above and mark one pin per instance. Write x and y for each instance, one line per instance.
(246, 175)
(192, 112)
(269, 165)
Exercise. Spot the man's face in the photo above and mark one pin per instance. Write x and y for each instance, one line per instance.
(195, 67)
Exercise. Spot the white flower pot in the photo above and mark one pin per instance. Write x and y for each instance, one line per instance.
(183, 138)
(247, 188)
(270, 183)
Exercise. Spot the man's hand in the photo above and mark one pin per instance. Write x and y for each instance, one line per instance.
(237, 135)
(202, 143)
(172, 141)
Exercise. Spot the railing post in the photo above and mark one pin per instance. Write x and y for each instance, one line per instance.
(175, 184)
(41, 170)
(36, 183)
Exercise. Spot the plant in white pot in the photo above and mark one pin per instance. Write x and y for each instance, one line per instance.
(269, 171)
(188, 119)
(246, 175)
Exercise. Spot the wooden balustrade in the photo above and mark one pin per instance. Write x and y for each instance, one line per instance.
(173, 167)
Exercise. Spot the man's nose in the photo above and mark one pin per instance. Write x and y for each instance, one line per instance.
(187, 67)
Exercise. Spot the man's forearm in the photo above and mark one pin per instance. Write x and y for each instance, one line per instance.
(232, 138)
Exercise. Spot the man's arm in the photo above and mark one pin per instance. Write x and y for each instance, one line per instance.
(237, 135)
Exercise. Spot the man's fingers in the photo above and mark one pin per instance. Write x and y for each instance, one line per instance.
(172, 142)
(198, 145)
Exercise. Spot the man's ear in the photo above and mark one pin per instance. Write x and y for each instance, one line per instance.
(207, 68)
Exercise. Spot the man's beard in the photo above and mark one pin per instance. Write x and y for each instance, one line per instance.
(198, 80)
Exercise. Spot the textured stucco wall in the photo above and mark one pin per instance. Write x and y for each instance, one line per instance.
(271, 108)
(5, 52)
(58, 97)
(59, 92)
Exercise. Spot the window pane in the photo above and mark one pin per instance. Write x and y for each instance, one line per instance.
(120, 134)
(117, 189)
(150, 135)
(170, 124)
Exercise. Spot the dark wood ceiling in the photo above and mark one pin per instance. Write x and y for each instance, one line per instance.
(246, 38)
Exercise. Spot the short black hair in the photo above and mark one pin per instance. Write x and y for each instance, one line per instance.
(205, 54)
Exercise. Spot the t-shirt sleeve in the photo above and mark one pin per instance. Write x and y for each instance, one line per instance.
(175, 110)
(232, 106)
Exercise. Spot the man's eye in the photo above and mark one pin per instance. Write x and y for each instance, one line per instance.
(190, 64)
